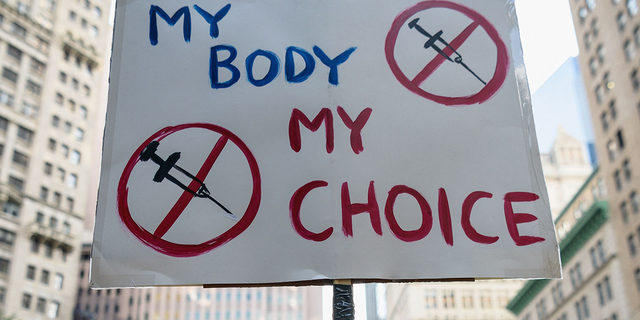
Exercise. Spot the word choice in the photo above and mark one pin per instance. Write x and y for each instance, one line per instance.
(350, 209)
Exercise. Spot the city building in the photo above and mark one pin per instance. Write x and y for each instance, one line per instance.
(194, 303)
(565, 170)
(562, 101)
(54, 57)
(608, 35)
(593, 284)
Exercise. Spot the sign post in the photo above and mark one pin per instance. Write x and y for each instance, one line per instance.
(343, 307)
(281, 142)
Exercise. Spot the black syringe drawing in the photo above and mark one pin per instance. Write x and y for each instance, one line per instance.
(149, 152)
(431, 43)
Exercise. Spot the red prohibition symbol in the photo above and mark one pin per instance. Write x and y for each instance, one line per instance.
(447, 51)
(154, 239)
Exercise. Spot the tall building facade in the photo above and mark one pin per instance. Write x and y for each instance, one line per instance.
(593, 284)
(608, 34)
(565, 170)
(194, 303)
(53, 56)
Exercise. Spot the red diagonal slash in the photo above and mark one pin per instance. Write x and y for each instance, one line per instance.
(186, 196)
(439, 59)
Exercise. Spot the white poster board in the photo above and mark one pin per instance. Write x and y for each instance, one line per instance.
(285, 141)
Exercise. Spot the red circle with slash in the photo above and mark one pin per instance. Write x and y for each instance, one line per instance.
(481, 96)
(189, 250)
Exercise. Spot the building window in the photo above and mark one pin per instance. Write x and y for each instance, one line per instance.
(607, 288)
(20, 159)
(48, 249)
(75, 157)
(33, 88)
(51, 145)
(8, 100)
(18, 30)
(593, 66)
(587, 40)
(7, 237)
(629, 50)
(582, 13)
(31, 272)
(448, 301)
(617, 180)
(14, 53)
(612, 109)
(635, 82)
(87, 90)
(83, 112)
(10, 75)
(67, 127)
(70, 203)
(604, 120)
(612, 148)
(541, 309)
(594, 258)
(23, 9)
(601, 52)
(44, 278)
(4, 123)
(72, 181)
(79, 134)
(599, 93)
(39, 218)
(53, 223)
(429, 297)
(16, 183)
(55, 121)
(65, 150)
(582, 309)
(93, 31)
(622, 20)
(35, 244)
(38, 67)
(638, 278)
(25, 134)
(626, 169)
(44, 193)
(467, 299)
(61, 174)
(66, 228)
(57, 199)
(40, 305)
(26, 301)
(632, 7)
(11, 207)
(635, 202)
(576, 276)
(632, 245)
(53, 309)
(591, 4)
(42, 45)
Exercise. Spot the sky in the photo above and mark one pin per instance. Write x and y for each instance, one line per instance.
(548, 40)
(548, 37)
